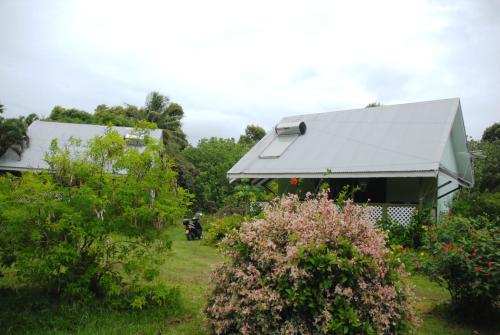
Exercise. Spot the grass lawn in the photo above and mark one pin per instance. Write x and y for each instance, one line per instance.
(431, 308)
(188, 267)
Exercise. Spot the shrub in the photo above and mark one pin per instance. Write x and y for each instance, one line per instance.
(307, 268)
(465, 259)
(410, 235)
(220, 226)
(473, 204)
(82, 230)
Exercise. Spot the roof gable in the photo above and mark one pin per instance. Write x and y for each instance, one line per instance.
(386, 139)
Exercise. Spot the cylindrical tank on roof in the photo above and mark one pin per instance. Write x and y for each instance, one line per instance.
(290, 128)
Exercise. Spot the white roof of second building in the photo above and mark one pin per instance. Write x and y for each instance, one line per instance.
(392, 140)
(41, 134)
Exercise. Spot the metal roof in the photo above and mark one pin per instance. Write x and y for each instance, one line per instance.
(387, 141)
(41, 134)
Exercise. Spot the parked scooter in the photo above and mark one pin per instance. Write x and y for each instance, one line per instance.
(193, 230)
(197, 224)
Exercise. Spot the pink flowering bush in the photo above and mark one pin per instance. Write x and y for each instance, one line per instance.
(309, 267)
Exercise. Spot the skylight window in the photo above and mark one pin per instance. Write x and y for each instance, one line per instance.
(278, 146)
(287, 133)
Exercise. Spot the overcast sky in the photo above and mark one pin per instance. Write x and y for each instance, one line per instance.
(233, 63)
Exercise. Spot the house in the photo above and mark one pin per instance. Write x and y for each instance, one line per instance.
(399, 156)
(41, 134)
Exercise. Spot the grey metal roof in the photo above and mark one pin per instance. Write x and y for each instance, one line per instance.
(392, 140)
(41, 134)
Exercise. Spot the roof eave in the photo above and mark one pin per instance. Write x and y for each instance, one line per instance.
(336, 175)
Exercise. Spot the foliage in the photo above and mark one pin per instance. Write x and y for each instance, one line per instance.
(158, 109)
(91, 226)
(395, 231)
(213, 158)
(253, 134)
(123, 116)
(474, 204)
(307, 268)
(219, 227)
(373, 104)
(466, 260)
(70, 115)
(486, 166)
(492, 133)
(410, 235)
(13, 132)
(248, 198)
(167, 116)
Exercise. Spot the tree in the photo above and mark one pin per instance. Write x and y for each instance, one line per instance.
(487, 166)
(13, 134)
(253, 134)
(91, 226)
(167, 116)
(213, 158)
(116, 116)
(492, 133)
(70, 115)
(373, 104)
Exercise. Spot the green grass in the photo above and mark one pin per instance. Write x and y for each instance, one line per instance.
(187, 266)
(437, 319)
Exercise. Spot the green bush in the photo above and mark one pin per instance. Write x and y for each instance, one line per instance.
(218, 227)
(465, 258)
(410, 235)
(473, 204)
(83, 230)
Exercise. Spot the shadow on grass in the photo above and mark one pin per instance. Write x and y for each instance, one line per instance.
(35, 313)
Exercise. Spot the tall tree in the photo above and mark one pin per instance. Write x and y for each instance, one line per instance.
(492, 133)
(13, 133)
(70, 115)
(213, 158)
(373, 104)
(167, 116)
(253, 134)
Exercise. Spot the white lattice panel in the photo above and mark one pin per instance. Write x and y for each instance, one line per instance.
(401, 214)
(376, 213)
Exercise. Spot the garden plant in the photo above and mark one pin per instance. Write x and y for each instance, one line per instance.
(309, 267)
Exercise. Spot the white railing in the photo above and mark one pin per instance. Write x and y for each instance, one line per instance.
(398, 213)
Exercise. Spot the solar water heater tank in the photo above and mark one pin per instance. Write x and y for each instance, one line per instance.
(290, 128)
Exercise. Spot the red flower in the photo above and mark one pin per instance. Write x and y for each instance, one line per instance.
(478, 269)
(490, 264)
(409, 317)
(294, 181)
(473, 254)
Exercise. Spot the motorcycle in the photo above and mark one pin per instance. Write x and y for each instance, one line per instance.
(193, 230)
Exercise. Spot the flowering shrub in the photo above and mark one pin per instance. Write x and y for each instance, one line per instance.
(307, 268)
(465, 259)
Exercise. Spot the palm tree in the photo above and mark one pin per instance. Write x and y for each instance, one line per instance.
(13, 133)
(167, 116)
